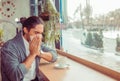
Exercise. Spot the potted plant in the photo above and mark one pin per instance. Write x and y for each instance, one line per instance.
(1, 36)
(51, 17)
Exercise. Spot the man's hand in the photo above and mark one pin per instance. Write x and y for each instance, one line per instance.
(34, 45)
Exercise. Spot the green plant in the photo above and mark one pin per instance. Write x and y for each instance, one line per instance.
(118, 43)
(51, 31)
(98, 42)
(89, 40)
(1, 34)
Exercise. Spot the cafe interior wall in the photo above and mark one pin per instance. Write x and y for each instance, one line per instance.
(10, 12)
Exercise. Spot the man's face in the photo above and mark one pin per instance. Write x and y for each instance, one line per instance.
(36, 31)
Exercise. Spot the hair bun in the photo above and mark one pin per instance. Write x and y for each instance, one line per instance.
(22, 20)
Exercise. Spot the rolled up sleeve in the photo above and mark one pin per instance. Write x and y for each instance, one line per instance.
(52, 51)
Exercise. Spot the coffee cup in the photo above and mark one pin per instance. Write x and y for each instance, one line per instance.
(61, 61)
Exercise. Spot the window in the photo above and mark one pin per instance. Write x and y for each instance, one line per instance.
(91, 30)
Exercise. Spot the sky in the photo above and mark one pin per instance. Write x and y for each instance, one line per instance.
(99, 6)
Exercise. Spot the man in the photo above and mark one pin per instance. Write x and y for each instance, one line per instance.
(21, 55)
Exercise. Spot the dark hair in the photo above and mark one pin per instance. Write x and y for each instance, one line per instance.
(22, 19)
(31, 22)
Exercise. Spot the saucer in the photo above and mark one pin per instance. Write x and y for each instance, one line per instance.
(58, 66)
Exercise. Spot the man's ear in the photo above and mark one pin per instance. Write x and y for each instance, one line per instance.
(25, 30)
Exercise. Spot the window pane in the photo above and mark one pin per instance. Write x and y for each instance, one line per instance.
(91, 30)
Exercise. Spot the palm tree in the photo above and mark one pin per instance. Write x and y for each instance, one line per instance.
(79, 10)
(88, 11)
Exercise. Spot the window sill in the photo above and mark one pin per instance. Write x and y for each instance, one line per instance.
(97, 67)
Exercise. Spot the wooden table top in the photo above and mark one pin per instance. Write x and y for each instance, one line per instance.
(75, 72)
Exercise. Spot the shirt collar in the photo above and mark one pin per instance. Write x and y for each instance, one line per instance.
(26, 43)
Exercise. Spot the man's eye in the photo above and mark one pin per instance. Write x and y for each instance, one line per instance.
(36, 32)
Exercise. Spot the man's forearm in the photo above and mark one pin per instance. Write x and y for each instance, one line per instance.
(46, 55)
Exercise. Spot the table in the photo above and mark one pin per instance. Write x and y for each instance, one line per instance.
(75, 72)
